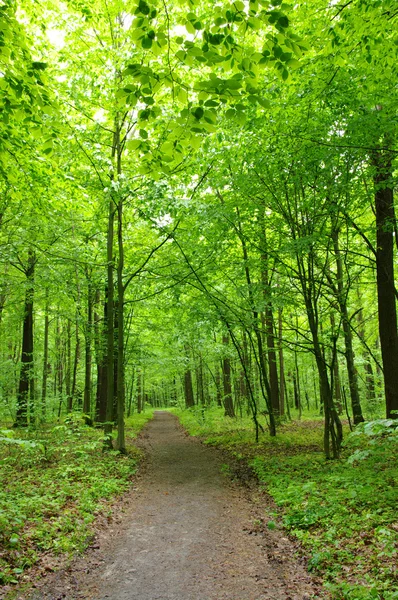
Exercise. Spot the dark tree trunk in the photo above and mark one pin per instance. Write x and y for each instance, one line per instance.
(26, 373)
(385, 225)
(188, 389)
(88, 355)
(109, 328)
(227, 385)
(121, 392)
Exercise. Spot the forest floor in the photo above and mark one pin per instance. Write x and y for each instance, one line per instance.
(185, 532)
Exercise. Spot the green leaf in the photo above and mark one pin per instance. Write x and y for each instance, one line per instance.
(143, 8)
(146, 42)
(283, 22)
(198, 112)
(133, 144)
(263, 102)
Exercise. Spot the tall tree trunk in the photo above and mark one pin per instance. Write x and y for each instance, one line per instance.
(336, 372)
(264, 381)
(45, 359)
(281, 365)
(227, 386)
(110, 324)
(26, 373)
(140, 391)
(218, 385)
(385, 225)
(102, 361)
(188, 388)
(349, 352)
(88, 354)
(68, 374)
(76, 359)
(121, 442)
(370, 380)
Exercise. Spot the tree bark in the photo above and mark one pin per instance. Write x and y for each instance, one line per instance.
(227, 386)
(349, 352)
(385, 225)
(45, 359)
(26, 373)
(88, 353)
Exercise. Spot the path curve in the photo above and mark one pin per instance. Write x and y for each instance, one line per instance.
(187, 535)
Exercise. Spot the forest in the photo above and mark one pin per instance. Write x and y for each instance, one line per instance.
(197, 215)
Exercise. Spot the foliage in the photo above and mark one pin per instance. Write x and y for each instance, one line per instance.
(55, 482)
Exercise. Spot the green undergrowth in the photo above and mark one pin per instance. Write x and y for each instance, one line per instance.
(344, 512)
(55, 481)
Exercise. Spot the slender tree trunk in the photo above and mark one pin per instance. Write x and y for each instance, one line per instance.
(102, 362)
(88, 354)
(121, 442)
(73, 396)
(45, 359)
(336, 373)
(68, 374)
(218, 385)
(188, 389)
(370, 381)
(140, 391)
(385, 225)
(264, 382)
(281, 365)
(110, 324)
(26, 372)
(227, 386)
(349, 352)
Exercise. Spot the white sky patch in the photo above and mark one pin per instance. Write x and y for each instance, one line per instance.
(179, 30)
(164, 220)
(100, 116)
(126, 20)
(56, 37)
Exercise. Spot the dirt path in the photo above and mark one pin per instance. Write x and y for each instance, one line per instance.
(187, 534)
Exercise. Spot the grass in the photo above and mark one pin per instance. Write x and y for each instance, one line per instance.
(54, 483)
(344, 512)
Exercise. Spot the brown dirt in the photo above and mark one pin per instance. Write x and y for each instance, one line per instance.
(185, 533)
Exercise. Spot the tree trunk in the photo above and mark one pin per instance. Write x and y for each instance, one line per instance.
(281, 365)
(140, 391)
(102, 361)
(336, 372)
(45, 359)
(349, 352)
(385, 224)
(227, 386)
(370, 380)
(121, 442)
(68, 367)
(188, 389)
(88, 356)
(26, 373)
(75, 366)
